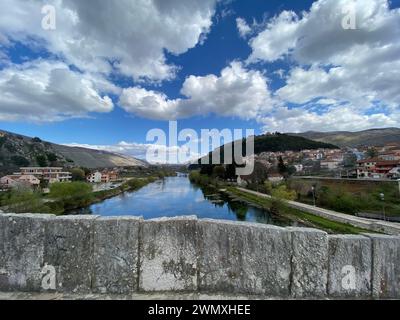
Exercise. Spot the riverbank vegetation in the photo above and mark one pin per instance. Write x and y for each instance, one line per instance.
(349, 197)
(276, 204)
(64, 197)
(278, 207)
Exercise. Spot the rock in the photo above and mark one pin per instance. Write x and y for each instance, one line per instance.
(309, 262)
(385, 266)
(116, 255)
(349, 266)
(169, 255)
(244, 258)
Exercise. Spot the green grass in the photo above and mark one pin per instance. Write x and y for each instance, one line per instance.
(298, 215)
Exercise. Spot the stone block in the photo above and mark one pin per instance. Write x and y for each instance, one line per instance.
(309, 262)
(385, 266)
(22, 238)
(350, 264)
(168, 255)
(244, 258)
(69, 249)
(116, 255)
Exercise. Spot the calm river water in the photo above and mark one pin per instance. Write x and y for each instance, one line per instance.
(177, 196)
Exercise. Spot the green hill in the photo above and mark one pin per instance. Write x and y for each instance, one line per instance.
(277, 143)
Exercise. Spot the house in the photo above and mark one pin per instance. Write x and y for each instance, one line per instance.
(366, 168)
(376, 168)
(275, 177)
(330, 164)
(394, 173)
(50, 174)
(383, 168)
(13, 181)
(94, 177)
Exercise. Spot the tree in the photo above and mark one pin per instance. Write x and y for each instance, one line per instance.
(52, 157)
(372, 153)
(282, 168)
(350, 160)
(41, 161)
(219, 172)
(78, 174)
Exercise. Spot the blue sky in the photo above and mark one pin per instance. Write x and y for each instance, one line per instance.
(293, 69)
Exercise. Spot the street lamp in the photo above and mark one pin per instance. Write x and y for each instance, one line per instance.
(313, 194)
(382, 195)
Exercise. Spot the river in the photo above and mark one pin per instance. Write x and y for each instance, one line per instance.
(177, 196)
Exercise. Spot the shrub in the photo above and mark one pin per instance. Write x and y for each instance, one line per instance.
(25, 201)
(282, 192)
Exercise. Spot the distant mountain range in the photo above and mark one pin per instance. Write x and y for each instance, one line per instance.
(19, 151)
(373, 137)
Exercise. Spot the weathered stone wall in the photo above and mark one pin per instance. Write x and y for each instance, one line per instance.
(125, 255)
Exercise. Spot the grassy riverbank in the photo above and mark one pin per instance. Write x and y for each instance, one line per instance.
(64, 197)
(278, 207)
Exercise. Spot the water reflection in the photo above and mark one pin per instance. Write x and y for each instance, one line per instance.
(176, 196)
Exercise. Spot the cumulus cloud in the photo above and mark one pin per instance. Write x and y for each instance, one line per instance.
(243, 28)
(129, 37)
(356, 71)
(337, 118)
(49, 91)
(236, 92)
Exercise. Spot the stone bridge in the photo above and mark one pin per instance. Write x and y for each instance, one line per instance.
(129, 255)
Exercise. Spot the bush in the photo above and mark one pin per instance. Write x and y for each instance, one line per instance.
(67, 190)
(24, 201)
(72, 195)
(282, 192)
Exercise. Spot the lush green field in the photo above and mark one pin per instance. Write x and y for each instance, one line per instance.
(349, 196)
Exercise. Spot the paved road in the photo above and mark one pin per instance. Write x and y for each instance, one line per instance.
(344, 179)
(368, 224)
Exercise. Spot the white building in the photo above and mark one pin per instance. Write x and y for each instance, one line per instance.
(94, 177)
(50, 174)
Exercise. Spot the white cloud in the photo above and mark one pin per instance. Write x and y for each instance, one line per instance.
(49, 91)
(354, 72)
(127, 35)
(243, 28)
(338, 118)
(236, 92)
